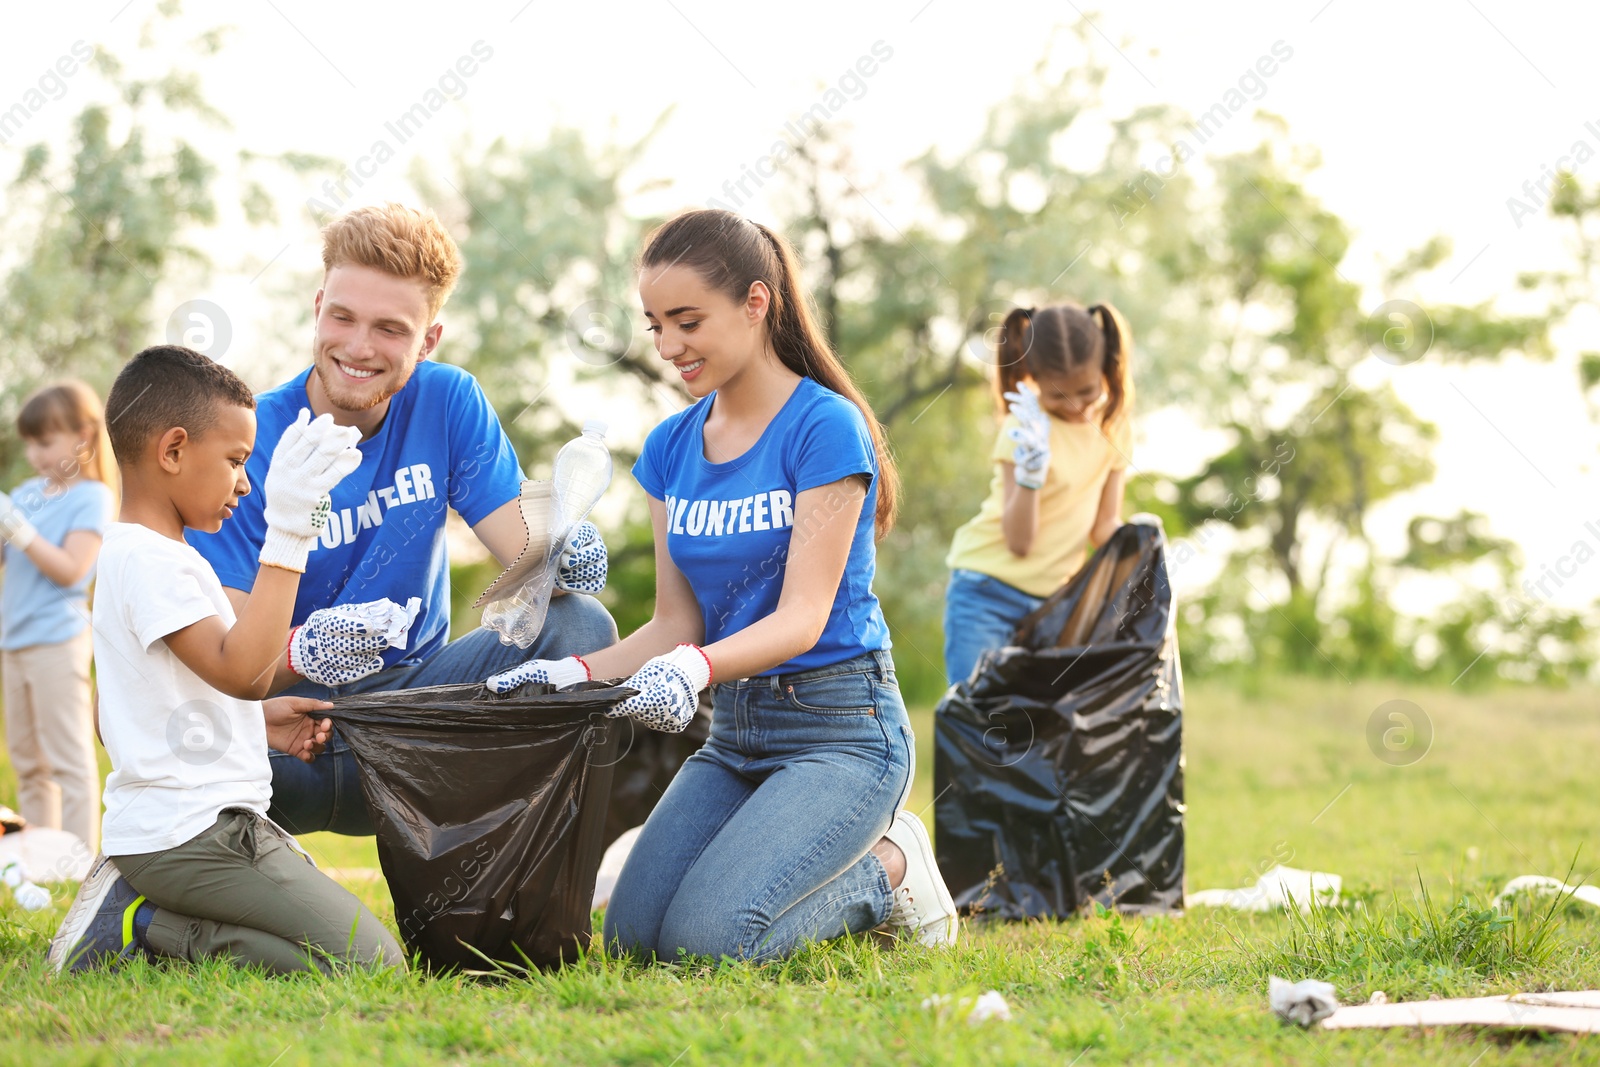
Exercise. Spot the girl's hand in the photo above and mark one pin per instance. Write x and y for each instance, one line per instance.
(1032, 453)
(15, 529)
(669, 690)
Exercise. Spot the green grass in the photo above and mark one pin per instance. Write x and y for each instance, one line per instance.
(1281, 774)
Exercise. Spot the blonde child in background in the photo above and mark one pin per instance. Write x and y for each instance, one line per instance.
(1060, 457)
(52, 527)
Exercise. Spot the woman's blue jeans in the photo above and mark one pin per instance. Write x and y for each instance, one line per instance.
(761, 843)
(980, 613)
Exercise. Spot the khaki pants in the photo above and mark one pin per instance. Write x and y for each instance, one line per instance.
(241, 890)
(50, 732)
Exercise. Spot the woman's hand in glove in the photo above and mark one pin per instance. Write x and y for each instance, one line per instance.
(557, 672)
(668, 689)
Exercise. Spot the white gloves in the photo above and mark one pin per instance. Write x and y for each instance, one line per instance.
(669, 689)
(15, 529)
(1032, 453)
(557, 672)
(345, 643)
(311, 458)
(582, 563)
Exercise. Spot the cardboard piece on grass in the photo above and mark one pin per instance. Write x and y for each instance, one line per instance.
(1575, 1012)
(1274, 890)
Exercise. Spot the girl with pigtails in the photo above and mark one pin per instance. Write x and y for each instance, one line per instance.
(767, 497)
(1065, 396)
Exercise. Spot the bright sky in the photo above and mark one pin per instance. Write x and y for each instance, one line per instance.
(1428, 115)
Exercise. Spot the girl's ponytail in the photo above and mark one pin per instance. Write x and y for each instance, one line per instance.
(1119, 347)
(1011, 355)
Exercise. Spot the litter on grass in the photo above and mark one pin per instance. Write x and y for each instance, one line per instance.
(611, 866)
(1542, 886)
(990, 1005)
(46, 855)
(1301, 1002)
(1572, 1012)
(1274, 890)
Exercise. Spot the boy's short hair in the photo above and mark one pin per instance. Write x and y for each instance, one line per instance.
(404, 241)
(166, 386)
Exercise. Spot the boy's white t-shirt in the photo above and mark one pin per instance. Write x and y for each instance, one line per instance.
(181, 751)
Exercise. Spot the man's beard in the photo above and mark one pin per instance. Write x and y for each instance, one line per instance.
(342, 395)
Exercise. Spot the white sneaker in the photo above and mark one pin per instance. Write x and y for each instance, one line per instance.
(923, 908)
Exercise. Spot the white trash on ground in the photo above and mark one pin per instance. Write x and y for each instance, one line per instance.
(1274, 890)
(1539, 884)
(1573, 1012)
(46, 855)
(30, 897)
(611, 866)
(1301, 1002)
(990, 1005)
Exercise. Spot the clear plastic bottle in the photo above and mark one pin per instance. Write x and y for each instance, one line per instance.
(582, 474)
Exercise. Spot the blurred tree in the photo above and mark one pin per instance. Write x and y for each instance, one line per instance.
(97, 227)
(1314, 449)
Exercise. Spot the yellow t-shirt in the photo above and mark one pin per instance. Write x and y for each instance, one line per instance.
(1082, 455)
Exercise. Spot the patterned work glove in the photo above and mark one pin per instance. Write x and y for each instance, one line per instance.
(1032, 453)
(669, 689)
(582, 562)
(345, 643)
(18, 532)
(311, 458)
(557, 672)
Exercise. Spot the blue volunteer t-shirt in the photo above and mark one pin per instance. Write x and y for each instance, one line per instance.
(440, 444)
(33, 609)
(729, 524)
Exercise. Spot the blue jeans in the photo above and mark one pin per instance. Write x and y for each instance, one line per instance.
(760, 844)
(326, 794)
(980, 613)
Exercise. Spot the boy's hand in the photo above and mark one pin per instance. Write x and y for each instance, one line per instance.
(292, 730)
(311, 458)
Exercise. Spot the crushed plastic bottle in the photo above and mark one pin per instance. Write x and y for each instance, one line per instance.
(582, 474)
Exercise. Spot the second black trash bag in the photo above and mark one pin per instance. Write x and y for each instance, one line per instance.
(1058, 764)
(489, 813)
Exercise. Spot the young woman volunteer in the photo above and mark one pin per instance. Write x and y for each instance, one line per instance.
(766, 496)
(52, 527)
(1058, 479)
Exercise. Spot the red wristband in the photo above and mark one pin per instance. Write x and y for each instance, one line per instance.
(586, 669)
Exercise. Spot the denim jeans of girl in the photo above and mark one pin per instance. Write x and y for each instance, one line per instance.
(760, 844)
(980, 613)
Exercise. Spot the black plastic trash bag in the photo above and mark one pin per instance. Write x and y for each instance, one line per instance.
(648, 760)
(1058, 764)
(489, 811)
